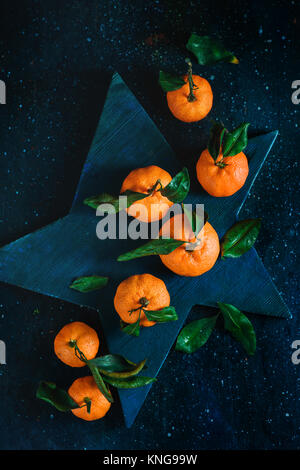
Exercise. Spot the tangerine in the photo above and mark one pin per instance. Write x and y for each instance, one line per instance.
(222, 177)
(195, 257)
(148, 180)
(84, 391)
(138, 292)
(193, 101)
(80, 334)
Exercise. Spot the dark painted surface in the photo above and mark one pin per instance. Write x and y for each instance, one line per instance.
(55, 62)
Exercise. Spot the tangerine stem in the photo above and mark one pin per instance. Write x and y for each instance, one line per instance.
(191, 97)
(78, 353)
(143, 303)
(191, 246)
(221, 163)
(151, 191)
(88, 404)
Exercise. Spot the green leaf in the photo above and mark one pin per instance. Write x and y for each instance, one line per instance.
(159, 246)
(195, 334)
(217, 132)
(170, 82)
(236, 141)
(239, 326)
(209, 50)
(100, 382)
(161, 316)
(57, 397)
(114, 365)
(133, 197)
(116, 206)
(177, 190)
(89, 283)
(240, 238)
(131, 382)
(104, 198)
(132, 329)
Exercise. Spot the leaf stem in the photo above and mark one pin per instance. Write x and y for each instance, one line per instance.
(96, 374)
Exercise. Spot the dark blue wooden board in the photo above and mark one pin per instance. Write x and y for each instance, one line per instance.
(47, 260)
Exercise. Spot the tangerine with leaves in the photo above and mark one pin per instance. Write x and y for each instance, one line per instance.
(149, 180)
(222, 168)
(138, 293)
(80, 334)
(193, 100)
(92, 403)
(148, 194)
(195, 257)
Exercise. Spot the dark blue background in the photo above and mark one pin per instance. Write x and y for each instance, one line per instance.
(56, 60)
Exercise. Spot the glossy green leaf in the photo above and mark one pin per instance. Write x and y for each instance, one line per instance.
(236, 141)
(209, 50)
(100, 382)
(195, 334)
(133, 196)
(104, 198)
(240, 238)
(57, 397)
(161, 316)
(114, 365)
(170, 82)
(239, 326)
(131, 382)
(116, 203)
(177, 190)
(159, 246)
(89, 283)
(132, 329)
(217, 132)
